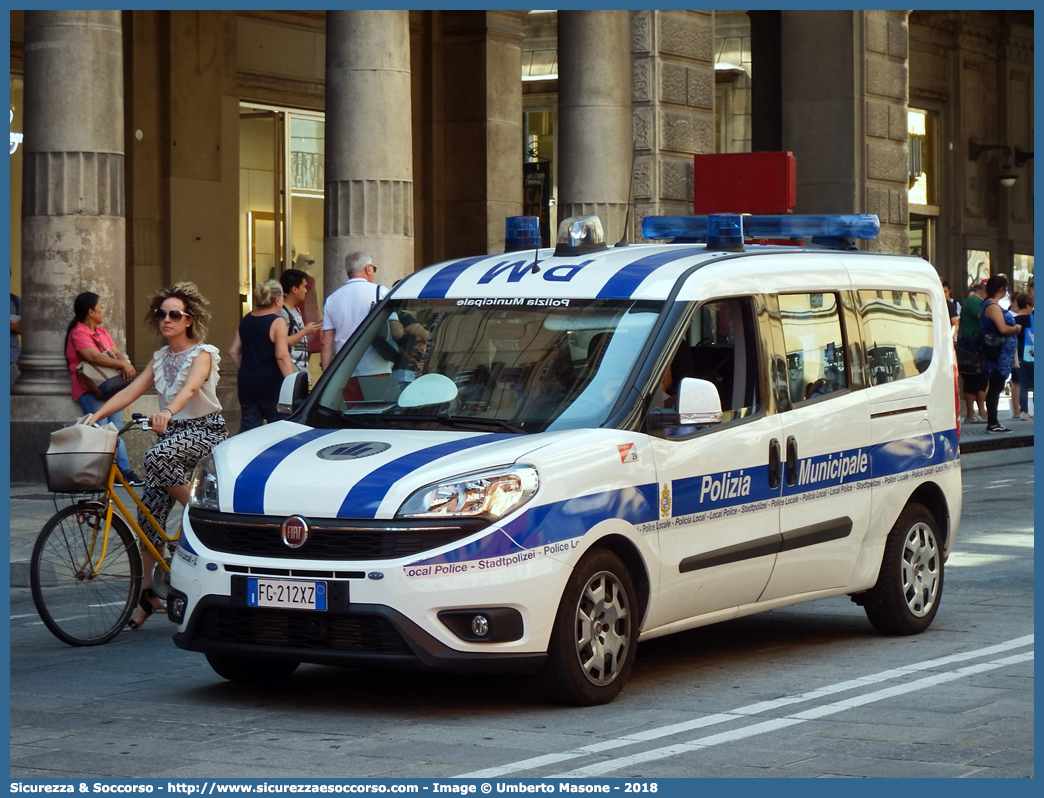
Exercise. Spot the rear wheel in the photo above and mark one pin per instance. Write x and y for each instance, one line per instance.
(249, 670)
(595, 635)
(83, 598)
(906, 597)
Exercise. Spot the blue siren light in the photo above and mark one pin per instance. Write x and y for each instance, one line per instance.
(721, 228)
(521, 232)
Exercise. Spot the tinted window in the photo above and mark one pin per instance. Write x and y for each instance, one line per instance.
(529, 365)
(720, 346)
(815, 347)
(898, 330)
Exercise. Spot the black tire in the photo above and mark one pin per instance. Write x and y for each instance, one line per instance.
(909, 587)
(251, 670)
(81, 604)
(595, 635)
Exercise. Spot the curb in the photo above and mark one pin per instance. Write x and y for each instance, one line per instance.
(996, 443)
(20, 574)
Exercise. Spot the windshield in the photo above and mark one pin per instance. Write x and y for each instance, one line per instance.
(507, 364)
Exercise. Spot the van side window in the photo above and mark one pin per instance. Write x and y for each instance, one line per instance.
(815, 346)
(897, 326)
(720, 346)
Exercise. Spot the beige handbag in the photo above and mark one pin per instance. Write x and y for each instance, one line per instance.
(101, 381)
(80, 458)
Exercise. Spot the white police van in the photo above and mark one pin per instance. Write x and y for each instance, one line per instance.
(593, 446)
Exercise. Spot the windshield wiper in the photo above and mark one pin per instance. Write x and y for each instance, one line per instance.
(446, 418)
(458, 421)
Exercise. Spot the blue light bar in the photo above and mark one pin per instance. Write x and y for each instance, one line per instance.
(521, 232)
(695, 228)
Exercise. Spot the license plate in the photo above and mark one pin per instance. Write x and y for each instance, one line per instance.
(291, 594)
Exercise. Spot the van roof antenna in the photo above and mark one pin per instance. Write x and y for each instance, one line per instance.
(623, 242)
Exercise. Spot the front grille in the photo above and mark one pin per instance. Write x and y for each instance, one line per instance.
(328, 539)
(366, 634)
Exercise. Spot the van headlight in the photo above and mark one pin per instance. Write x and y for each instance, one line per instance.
(203, 490)
(493, 494)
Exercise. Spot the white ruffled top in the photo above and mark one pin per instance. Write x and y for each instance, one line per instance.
(170, 371)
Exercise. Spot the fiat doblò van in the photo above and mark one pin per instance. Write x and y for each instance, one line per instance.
(581, 448)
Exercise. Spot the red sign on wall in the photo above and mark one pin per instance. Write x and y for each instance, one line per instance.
(744, 182)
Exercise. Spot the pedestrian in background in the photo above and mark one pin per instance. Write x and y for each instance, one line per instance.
(16, 330)
(1016, 366)
(345, 309)
(189, 421)
(87, 341)
(295, 288)
(997, 363)
(953, 307)
(969, 338)
(1025, 353)
(261, 354)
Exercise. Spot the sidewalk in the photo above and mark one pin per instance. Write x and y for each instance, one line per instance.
(32, 504)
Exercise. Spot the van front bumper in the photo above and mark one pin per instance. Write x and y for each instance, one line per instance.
(365, 634)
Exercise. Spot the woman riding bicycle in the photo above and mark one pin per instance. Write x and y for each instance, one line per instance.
(189, 422)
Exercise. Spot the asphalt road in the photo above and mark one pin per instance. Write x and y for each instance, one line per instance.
(805, 691)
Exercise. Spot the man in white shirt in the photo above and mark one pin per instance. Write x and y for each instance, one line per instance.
(345, 310)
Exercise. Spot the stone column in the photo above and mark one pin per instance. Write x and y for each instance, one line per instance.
(673, 58)
(73, 225)
(369, 143)
(594, 112)
(845, 117)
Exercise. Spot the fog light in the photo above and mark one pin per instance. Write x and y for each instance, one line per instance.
(177, 604)
(484, 624)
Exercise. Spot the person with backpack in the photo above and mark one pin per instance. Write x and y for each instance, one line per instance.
(295, 290)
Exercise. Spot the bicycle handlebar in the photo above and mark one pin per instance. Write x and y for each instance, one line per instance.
(139, 421)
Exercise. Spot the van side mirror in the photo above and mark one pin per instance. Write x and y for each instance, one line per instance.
(292, 392)
(698, 405)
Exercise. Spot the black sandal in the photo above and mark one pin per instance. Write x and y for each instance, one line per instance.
(147, 606)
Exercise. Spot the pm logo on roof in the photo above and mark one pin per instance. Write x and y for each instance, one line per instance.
(352, 451)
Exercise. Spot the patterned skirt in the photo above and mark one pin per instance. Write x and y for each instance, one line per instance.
(171, 461)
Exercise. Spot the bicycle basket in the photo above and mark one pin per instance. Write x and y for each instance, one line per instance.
(79, 458)
(75, 472)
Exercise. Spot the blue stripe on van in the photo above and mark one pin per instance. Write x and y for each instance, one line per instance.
(366, 496)
(439, 285)
(571, 519)
(625, 282)
(249, 492)
(551, 523)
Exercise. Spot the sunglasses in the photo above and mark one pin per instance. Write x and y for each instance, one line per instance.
(175, 315)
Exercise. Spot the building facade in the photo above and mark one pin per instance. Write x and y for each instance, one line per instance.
(222, 147)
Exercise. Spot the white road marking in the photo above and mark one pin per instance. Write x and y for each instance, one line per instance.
(743, 712)
(601, 768)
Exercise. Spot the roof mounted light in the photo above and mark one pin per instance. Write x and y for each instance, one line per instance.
(578, 235)
(719, 230)
(521, 232)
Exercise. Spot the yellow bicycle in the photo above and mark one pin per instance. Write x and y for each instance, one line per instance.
(86, 571)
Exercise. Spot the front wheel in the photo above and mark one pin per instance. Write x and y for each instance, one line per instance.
(251, 670)
(906, 597)
(85, 583)
(595, 634)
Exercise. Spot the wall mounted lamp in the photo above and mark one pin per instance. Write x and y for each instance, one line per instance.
(975, 150)
(1006, 177)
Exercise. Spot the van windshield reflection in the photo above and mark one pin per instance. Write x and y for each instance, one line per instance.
(466, 364)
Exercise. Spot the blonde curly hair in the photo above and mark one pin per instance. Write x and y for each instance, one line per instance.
(195, 308)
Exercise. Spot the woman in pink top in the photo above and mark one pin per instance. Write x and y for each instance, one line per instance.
(87, 341)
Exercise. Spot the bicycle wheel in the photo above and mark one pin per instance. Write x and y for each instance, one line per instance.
(82, 599)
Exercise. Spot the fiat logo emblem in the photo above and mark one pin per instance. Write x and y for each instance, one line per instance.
(295, 531)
